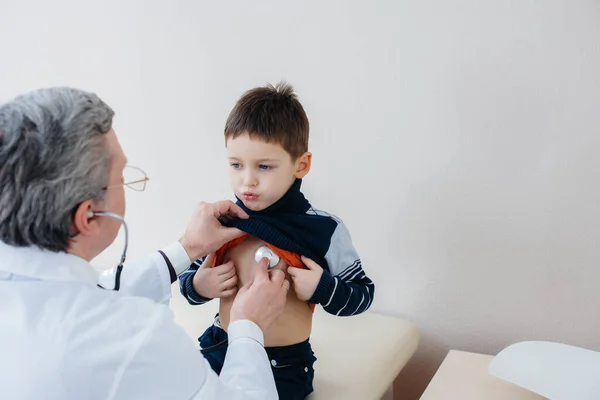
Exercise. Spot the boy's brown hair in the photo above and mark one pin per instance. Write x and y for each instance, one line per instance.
(273, 114)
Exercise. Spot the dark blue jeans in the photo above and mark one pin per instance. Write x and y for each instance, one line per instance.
(292, 365)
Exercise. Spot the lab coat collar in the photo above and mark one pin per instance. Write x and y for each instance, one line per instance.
(36, 263)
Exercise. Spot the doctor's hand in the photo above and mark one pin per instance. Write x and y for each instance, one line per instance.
(217, 282)
(205, 234)
(263, 299)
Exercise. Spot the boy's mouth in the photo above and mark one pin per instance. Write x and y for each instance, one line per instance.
(249, 196)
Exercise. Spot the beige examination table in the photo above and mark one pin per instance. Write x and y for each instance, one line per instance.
(357, 357)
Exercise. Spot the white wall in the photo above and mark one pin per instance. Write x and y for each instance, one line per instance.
(458, 140)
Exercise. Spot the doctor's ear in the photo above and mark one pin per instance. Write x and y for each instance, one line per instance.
(83, 219)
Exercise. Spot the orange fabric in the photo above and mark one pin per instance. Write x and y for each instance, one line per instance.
(291, 259)
(220, 254)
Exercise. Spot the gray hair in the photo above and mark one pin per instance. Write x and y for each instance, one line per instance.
(53, 156)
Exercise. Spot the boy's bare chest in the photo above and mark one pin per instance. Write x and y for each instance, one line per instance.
(243, 256)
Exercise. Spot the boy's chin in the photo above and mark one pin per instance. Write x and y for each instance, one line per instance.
(254, 206)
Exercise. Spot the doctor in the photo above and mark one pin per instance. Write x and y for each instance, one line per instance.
(64, 334)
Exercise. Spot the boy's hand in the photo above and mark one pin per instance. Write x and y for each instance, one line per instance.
(305, 281)
(217, 282)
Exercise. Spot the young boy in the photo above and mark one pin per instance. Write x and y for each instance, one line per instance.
(266, 136)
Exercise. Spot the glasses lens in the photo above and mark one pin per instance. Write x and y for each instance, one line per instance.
(134, 178)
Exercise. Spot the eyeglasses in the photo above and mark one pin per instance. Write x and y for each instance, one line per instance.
(133, 177)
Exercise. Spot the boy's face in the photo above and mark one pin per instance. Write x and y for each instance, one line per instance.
(260, 173)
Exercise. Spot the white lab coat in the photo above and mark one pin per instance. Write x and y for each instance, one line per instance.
(63, 337)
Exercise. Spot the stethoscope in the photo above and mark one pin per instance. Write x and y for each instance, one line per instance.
(265, 252)
(262, 252)
(93, 214)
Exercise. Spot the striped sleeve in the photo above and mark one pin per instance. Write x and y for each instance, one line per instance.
(186, 284)
(345, 289)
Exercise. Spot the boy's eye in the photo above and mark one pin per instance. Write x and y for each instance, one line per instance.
(265, 167)
(235, 165)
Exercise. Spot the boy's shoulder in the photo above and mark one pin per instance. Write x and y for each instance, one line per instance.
(315, 211)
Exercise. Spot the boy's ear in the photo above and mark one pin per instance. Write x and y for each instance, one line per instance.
(303, 164)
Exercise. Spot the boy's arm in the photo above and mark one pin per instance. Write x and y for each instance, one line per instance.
(345, 289)
(186, 284)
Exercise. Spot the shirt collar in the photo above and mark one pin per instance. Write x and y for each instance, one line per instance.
(292, 202)
(36, 263)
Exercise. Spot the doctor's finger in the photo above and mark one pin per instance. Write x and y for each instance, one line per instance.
(229, 209)
(261, 271)
(282, 292)
(229, 234)
(277, 277)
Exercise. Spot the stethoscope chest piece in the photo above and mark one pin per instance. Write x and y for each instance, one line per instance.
(264, 251)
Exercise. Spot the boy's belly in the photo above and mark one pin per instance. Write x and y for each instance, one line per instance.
(293, 325)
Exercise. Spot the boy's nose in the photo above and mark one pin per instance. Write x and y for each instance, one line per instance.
(250, 181)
